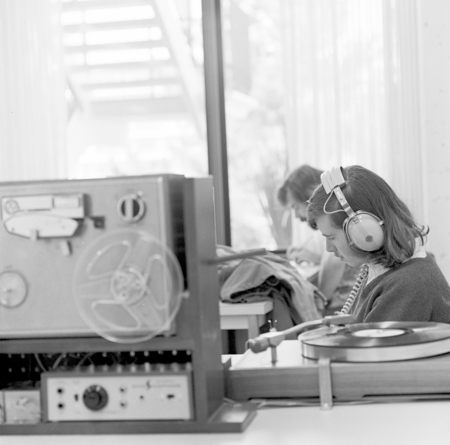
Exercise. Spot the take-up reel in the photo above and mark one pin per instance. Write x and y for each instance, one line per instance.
(127, 286)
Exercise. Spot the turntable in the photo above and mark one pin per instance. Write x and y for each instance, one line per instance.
(351, 363)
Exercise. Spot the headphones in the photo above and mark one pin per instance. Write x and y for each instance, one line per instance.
(362, 229)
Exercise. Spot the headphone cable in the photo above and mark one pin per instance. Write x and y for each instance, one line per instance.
(357, 288)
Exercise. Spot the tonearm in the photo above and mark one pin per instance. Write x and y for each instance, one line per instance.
(273, 338)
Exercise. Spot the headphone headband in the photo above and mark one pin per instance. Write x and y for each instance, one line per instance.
(332, 178)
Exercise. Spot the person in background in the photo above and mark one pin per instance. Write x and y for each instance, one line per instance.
(366, 225)
(335, 278)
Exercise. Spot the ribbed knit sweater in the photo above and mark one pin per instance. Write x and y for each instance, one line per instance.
(414, 291)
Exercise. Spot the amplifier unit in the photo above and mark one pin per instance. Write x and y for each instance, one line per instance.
(145, 392)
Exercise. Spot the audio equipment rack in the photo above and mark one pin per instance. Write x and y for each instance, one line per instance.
(197, 343)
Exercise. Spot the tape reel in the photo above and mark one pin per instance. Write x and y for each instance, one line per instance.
(127, 286)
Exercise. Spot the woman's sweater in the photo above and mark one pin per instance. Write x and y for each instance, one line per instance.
(414, 291)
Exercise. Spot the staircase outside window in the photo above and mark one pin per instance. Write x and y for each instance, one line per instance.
(135, 87)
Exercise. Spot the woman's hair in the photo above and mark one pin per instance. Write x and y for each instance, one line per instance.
(301, 182)
(366, 191)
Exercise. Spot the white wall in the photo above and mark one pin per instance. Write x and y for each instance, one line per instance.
(434, 20)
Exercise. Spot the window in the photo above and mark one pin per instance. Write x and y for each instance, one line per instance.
(256, 124)
(323, 83)
(122, 92)
(135, 79)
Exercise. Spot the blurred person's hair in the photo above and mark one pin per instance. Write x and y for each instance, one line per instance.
(301, 182)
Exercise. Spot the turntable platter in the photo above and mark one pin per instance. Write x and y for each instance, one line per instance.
(375, 342)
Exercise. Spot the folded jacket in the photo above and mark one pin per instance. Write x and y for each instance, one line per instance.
(253, 278)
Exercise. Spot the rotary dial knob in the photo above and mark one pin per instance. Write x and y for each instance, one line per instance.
(95, 398)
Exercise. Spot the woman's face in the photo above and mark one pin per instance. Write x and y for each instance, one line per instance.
(336, 242)
(299, 208)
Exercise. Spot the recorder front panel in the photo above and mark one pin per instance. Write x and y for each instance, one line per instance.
(46, 226)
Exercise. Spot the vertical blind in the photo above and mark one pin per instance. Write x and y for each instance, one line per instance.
(32, 82)
(353, 93)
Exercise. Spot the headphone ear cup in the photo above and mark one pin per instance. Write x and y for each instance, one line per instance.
(365, 231)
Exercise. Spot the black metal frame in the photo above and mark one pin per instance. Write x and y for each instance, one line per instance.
(215, 116)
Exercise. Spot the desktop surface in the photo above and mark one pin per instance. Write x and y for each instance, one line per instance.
(379, 423)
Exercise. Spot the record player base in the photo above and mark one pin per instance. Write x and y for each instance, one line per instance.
(293, 376)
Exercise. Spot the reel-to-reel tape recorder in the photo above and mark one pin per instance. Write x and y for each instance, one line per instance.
(109, 308)
(91, 255)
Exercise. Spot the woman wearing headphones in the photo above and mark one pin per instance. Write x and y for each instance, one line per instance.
(366, 225)
(335, 279)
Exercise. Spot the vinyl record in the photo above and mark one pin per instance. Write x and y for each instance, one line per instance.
(374, 342)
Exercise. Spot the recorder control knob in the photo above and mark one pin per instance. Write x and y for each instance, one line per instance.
(131, 207)
(95, 398)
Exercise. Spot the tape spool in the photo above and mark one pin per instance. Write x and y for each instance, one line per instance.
(377, 342)
(128, 286)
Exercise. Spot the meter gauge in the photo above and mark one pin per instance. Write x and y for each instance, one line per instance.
(13, 289)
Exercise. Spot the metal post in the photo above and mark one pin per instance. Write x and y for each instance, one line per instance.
(215, 116)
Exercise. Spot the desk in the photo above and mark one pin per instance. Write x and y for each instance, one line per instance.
(414, 423)
(248, 316)
(245, 319)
